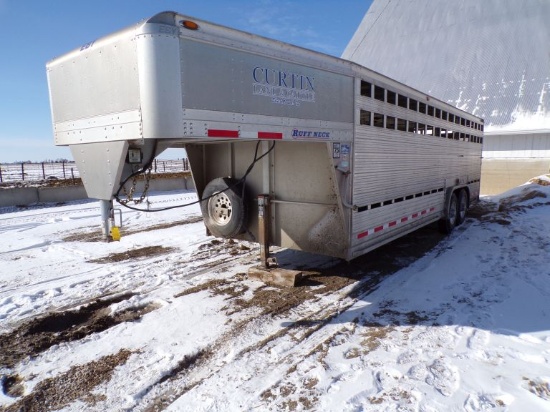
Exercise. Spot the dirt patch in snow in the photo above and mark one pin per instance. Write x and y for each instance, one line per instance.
(362, 274)
(218, 246)
(490, 212)
(288, 396)
(77, 383)
(481, 209)
(140, 253)
(186, 365)
(514, 203)
(543, 180)
(539, 387)
(277, 301)
(360, 277)
(39, 334)
(366, 272)
(216, 255)
(94, 235)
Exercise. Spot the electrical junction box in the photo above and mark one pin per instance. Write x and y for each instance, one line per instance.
(134, 156)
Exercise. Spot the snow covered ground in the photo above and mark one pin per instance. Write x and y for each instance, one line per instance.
(166, 319)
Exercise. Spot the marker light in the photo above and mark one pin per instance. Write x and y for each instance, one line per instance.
(188, 24)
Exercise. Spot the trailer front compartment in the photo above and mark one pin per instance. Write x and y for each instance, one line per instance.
(301, 179)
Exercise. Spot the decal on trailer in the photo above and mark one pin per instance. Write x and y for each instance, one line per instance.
(336, 150)
(283, 87)
(87, 45)
(343, 165)
(309, 134)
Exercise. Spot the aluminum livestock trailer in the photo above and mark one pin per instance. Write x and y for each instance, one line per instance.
(286, 146)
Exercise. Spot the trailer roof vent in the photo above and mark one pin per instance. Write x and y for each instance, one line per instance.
(188, 24)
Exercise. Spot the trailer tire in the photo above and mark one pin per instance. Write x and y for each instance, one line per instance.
(462, 206)
(223, 207)
(448, 223)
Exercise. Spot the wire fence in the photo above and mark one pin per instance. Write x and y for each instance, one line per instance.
(17, 172)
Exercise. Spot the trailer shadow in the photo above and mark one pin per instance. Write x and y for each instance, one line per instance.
(364, 274)
(369, 269)
(487, 297)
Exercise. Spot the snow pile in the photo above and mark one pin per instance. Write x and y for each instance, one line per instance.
(521, 120)
(167, 319)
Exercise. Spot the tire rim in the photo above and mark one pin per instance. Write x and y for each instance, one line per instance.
(220, 209)
(452, 211)
(462, 207)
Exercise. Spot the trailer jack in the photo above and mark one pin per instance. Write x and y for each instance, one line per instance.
(109, 228)
(268, 270)
(263, 231)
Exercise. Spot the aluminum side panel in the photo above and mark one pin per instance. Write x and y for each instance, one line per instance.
(100, 166)
(75, 90)
(114, 126)
(228, 80)
(391, 164)
(160, 85)
(373, 228)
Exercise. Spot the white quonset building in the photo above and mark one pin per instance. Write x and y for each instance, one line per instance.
(488, 57)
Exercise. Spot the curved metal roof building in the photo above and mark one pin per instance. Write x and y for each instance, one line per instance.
(488, 57)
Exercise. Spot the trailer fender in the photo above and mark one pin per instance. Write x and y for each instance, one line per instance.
(223, 207)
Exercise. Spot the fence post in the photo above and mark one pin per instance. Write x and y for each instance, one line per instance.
(0, 173)
(22, 171)
(43, 172)
(72, 174)
(63, 163)
(155, 166)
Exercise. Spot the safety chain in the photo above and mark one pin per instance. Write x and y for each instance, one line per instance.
(173, 200)
(130, 194)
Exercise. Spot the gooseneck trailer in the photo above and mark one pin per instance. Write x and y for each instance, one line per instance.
(287, 146)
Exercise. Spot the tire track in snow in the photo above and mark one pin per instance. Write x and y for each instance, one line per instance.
(294, 333)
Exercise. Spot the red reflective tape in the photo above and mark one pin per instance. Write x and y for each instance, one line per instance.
(223, 133)
(269, 135)
(395, 222)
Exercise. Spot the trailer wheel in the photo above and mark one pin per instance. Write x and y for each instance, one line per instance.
(448, 223)
(223, 207)
(462, 202)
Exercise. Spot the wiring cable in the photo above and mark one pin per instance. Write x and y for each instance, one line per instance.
(242, 180)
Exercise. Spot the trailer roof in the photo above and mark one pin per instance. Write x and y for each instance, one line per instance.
(233, 38)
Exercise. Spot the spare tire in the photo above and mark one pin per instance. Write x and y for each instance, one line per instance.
(223, 207)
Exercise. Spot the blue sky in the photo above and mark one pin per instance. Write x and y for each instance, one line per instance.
(36, 31)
